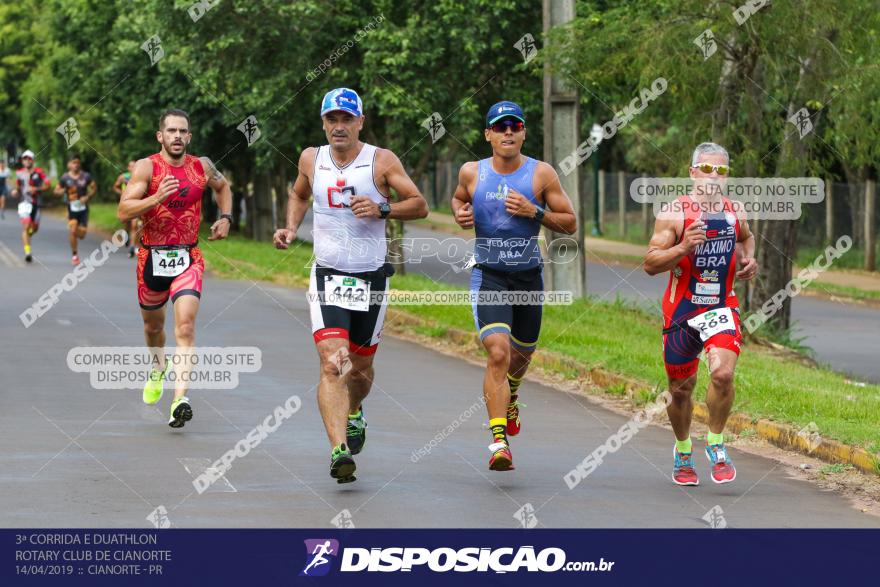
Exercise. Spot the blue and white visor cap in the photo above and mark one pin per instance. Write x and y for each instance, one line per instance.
(342, 99)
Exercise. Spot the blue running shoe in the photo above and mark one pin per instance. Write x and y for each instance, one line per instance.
(683, 472)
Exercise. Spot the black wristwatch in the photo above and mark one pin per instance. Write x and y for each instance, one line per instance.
(539, 213)
(384, 210)
(227, 217)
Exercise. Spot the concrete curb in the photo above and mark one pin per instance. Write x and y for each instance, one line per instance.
(784, 436)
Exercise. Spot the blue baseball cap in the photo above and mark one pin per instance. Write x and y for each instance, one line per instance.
(343, 99)
(504, 109)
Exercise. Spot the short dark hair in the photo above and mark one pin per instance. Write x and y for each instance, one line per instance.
(173, 112)
(74, 156)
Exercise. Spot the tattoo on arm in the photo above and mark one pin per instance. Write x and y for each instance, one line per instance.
(211, 170)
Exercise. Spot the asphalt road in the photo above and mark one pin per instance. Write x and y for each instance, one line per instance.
(77, 456)
(843, 336)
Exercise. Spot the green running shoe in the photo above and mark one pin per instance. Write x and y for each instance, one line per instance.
(342, 466)
(356, 432)
(181, 412)
(155, 386)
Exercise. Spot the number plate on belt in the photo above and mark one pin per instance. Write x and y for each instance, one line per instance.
(169, 262)
(710, 323)
(351, 293)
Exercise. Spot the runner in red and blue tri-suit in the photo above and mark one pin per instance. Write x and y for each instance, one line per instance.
(697, 239)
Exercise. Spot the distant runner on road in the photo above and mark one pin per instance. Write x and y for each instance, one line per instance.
(78, 187)
(31, 184)
(4, 187)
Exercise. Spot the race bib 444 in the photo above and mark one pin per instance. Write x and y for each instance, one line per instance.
(169, 262)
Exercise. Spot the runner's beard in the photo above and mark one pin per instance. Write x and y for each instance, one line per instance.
(169, 148)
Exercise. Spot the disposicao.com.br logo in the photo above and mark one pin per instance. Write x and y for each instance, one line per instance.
(318, 553)
(441, 560)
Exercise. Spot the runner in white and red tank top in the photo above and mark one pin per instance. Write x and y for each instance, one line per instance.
(697, 243)
(348, 184)
(165, 190)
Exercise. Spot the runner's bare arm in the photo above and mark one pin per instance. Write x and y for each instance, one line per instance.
(44, 185)
(117, 185)
(745, 231)
(559, 215)
(410, 203)
(301, 191)
(91, 190)
(217, 182)
(663, 252)
(746, 245)
(462, 207)
(223, 197)
(133, 203)
(298, 199)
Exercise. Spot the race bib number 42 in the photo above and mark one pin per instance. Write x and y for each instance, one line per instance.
(169, 262)
(351, 293)
(710, 323)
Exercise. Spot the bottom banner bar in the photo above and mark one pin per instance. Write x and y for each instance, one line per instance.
(437, 557)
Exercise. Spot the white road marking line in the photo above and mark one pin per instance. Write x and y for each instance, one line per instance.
(8, 257)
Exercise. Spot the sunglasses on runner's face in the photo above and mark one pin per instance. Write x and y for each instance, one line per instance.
(708, 168)
(502, 125)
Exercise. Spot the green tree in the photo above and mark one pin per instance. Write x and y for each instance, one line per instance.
(785, 56)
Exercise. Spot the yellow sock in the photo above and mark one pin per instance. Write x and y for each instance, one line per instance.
(513, 382)
(27, 249)
(684, 446)
(499, 429)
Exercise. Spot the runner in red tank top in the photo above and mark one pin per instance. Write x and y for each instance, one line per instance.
(165, 190)
(698, 244)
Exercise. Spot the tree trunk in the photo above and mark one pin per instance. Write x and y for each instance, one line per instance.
(234, 177)
(249, 203)
(729, 89)
(281, 193)
(855, 180)
(262, 219)
(870, 225)
(778, 237)
(753, 137)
